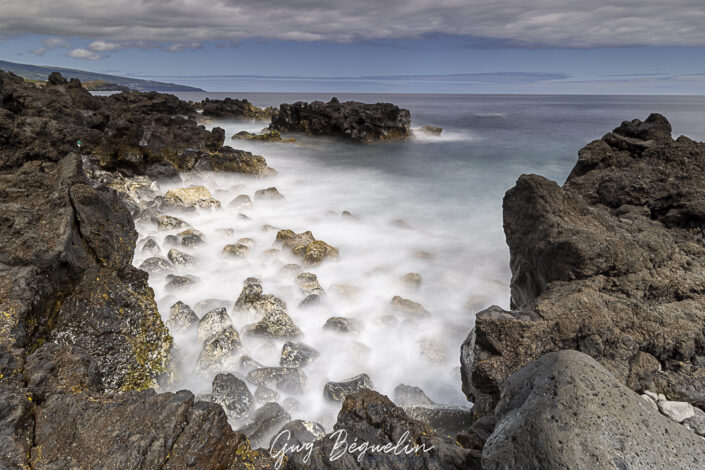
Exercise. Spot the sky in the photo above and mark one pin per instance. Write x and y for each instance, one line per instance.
(406, 46)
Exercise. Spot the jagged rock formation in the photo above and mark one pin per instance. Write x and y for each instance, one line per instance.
(611, 264)
(351, 120)
(230, 108)
(80, 334)
(129, 131)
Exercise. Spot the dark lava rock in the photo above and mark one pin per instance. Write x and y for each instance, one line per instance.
(337, 391)
(287, 379)
(219, 352)
(54, 368)
(232, 394)
(265, 395)
(610, 264)
(432, 130)
(351, 120)
(367, 416)
(180, 258)
(310, 300)
(295, 433)
(297, 355)
(181, 318)
(180, 283)
(267, 420)
(136, 430)
(151, 246)
(230, 108)
(567, 411)
(410, 395)
(446, 420)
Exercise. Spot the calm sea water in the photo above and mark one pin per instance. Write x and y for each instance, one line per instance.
(447, 189)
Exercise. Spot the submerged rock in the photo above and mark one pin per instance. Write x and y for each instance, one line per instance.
(252, 302)
(337, 391)
(220, 351)
(265, 395)
(297, 355)
(343, 325)
(267, 420)
(269, 194)
(287, 379)
(191, 237)
(408, 307)
(431, 130)
(181, 318)
(156, 265)
(412, 279)
(237, 250)
(351, 120)
(233, 395)
(275, 324)
(308, 284)
(167, 222)
(180, 283)
(242, 201)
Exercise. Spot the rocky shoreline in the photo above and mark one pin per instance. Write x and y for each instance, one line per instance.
(607, 303)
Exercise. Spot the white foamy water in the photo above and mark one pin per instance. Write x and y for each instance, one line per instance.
(457, 258)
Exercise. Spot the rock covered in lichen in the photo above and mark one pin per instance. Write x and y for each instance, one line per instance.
(289, 380)
(181, 318)
(337, 391)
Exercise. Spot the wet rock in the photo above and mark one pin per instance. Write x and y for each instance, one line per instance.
(430, 130)
(252, 302)
(267, 420)
(268, 136)
(446, 420)
(343, 325)
(269, 194)
(171, 240)
(408, 307)
(310, 301)
(306, 246)
(248, 364)
(194, 196)
(237, 250)
(191, 237)
(678, 411)
(287, 379)
(151, 246)
(156, 265)
(219, 352)
(297, 355)
(167, 222)
(412, 279)
(248, 242)
(204, 306)
(405, 395)
(567, 411)
(242, 201)
(180, 258)
(230, 108)
(345, 291)
(212, 323)
(295, 433)
(181, 318)
(337, 391)
(275, 324)
(180, 283)
(351, 120)
(308, 284)
(370, 417)
(233, 395)
(163, 171)
(265, 395)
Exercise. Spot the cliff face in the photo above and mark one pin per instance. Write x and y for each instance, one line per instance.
(80, 333)
(611, 264)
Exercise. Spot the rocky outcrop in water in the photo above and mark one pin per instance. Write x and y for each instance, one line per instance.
(230, 108)
(610, 264)
(351, 120)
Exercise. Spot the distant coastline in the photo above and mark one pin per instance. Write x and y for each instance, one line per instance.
(103, 82)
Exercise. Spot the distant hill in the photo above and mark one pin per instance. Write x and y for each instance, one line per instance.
(40, 73)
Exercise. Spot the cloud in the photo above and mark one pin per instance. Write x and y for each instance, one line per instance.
(86, 54)
(49, 44)
(538, 23)
(103, 46)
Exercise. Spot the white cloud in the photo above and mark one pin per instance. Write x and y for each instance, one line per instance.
(178, 46)
(86, 54)
(49, 44)
(553, 23)
(103, 46)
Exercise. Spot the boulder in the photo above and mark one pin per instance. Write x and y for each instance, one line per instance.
(269, 194)
(275, 324)
(359, 122)
(186, 198)
(252, 302)
(213, 323)
(220, 351)
(242, 201)
(304, 245)
(297, 355)
(168, 222)
(180, 258)
(565, 410)
(156, 265)
(337, 391)
(266, 421)
(287, 379)
(308, 284)
(408, 307)
(230, 108)
(233, 395)
(343, 325)
(181, 318)
(405, 395)
(446, 420)
(236, 250)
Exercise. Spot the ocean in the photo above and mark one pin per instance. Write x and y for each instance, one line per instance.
(431, 205)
